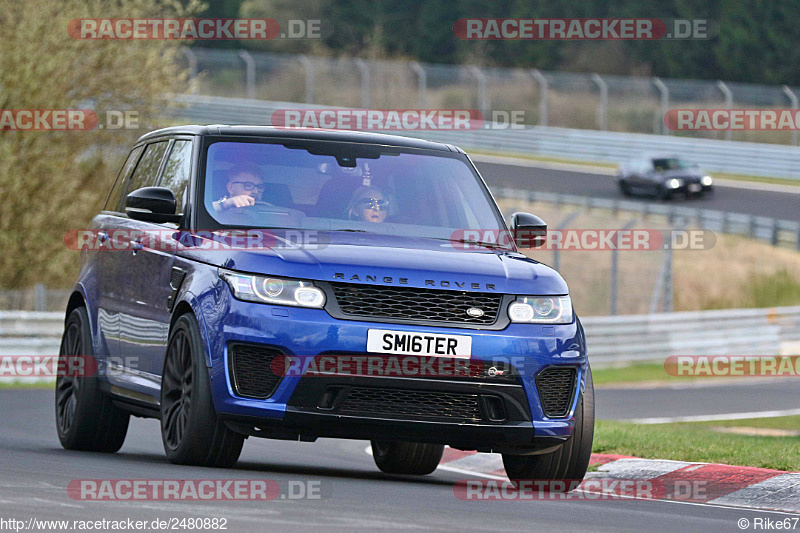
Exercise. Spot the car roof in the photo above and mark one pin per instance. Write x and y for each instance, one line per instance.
(301, 133)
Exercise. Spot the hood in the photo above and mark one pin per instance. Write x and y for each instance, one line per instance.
(389, 260)
(689, 175)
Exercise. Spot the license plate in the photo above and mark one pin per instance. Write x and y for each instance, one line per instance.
(413, 343)
(694, 187)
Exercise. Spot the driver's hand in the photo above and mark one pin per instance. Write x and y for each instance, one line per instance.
(243, 200)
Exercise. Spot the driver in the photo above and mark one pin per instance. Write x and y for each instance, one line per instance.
(245, 187)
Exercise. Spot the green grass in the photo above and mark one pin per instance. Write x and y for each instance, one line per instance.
(697, 442)
(634, 373)
(29, 386)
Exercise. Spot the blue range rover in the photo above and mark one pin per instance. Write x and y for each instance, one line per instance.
(228, 257)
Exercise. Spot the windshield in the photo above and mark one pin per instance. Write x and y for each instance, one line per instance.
(671, 163)
(344, 187)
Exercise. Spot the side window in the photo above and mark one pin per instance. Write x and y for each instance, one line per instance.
(115, 196)
(146, 170)
(178, 170)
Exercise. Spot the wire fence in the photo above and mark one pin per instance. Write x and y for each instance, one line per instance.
(559, 99)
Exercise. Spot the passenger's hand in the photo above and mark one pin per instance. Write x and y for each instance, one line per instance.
(243, 200)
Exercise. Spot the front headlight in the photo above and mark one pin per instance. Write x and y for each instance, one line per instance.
(541, 310)
(706, 181)
(272, 290)
(674, 183)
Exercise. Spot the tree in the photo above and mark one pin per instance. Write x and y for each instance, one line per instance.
(53, 181)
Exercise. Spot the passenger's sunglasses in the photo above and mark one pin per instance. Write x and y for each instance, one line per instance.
(373, 203)
(250, 186)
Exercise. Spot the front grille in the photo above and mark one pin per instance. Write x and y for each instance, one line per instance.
(409, 303)
(394, 403)
(251, 370)
(556, 386)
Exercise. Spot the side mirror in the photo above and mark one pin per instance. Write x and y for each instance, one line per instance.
(529, 231)
(152, 204)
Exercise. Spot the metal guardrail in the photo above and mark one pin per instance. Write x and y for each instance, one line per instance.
(756, 159)
(770, 230)
(610, 340)
(625, 339)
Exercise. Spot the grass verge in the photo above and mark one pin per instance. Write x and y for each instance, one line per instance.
(635, 373)
(698, 442)
(30, 386)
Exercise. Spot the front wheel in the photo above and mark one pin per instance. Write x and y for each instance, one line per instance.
(190, 429)
(412, 458)
(566, 466)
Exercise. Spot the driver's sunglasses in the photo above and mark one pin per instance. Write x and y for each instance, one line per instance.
(373, 203)
(250, 186)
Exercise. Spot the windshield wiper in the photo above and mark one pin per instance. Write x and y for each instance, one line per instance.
(491, 245)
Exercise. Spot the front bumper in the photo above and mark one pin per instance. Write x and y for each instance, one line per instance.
(294, 408)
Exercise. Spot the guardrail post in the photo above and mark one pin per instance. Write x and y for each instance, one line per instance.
(562, 226)
(251, 73)
(793, 100)
(191, 57)
(668, 280)
(728, 103)
(364, 69)
(308, 66)
(483, 99)
(39, 297)
(775, 235)
(422, 84)
(602, 111)
(614, 266)
(544, 98)
(662, 88)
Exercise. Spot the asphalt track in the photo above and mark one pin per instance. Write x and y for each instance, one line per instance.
(35, 472)
(767, 203)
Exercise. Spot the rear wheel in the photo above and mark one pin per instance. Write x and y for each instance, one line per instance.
(414, 458)
(190, 429)
(569, 462)
(86, 419)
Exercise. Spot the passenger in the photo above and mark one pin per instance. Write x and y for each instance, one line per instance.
(368, 204)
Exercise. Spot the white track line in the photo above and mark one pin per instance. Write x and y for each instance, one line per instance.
(711, 418)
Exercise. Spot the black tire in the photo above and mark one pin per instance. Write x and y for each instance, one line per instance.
(570, 461)
(86, 419)
(624, 188)
(191, 432)
(412, 458)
